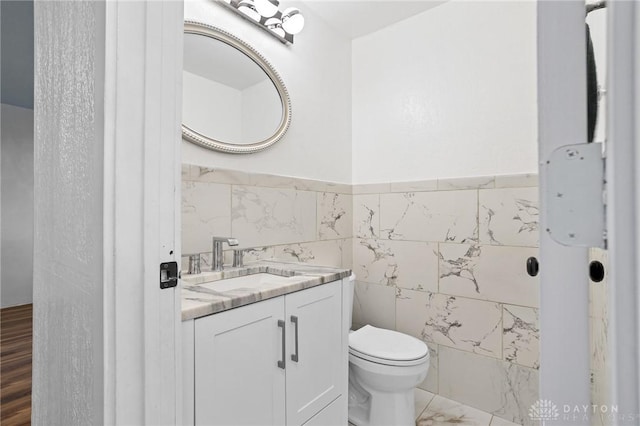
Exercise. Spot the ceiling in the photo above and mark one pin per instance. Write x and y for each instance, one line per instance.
(356, 18)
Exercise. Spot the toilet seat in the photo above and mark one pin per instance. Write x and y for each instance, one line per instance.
(387, 347)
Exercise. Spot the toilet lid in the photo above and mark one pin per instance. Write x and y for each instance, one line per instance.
(387, 344)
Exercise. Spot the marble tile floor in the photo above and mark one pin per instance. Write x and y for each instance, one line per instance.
(434, 410)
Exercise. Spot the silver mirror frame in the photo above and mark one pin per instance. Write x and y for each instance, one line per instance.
(192, 27)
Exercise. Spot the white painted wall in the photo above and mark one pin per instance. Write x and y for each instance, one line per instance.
(213, 108)
(317, 72)
(450, 92)
(16, 283)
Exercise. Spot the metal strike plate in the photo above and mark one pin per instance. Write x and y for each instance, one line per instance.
(574, 198)
(168, 275)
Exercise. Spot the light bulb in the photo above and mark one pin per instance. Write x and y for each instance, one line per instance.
(275, 25)
(248, 9)
(266, 8)
(292, 20)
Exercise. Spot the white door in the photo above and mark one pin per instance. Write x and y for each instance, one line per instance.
(564, 291)
(314, 350)
(238, 379)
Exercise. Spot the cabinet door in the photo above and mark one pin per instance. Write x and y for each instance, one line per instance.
(238, 381)
(331, 415)
(313, 377)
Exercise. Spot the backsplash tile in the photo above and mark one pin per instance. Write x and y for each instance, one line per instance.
(423, 185)
(347, 253)
(466, 183)
(517, 181)
(186, 172)
(251, 254)
(371, 188)
(267, 216)
(509, 216)
(321, 253)
(366, 216)
(521, 341)
(467, 324)
(430, 216)
(375, 305)
(406, 264)
(458, 264)
(430, 383)
(273, 217)
(485, 272)
(334, 215)
(231, 177)
(287, 182)
(502, 388)
(206, 212)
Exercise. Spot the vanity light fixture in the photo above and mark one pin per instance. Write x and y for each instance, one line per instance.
(266, 15)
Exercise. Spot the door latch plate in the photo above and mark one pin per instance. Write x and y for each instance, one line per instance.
(168, 274)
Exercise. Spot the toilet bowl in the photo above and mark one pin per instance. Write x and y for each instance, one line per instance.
(385, 366)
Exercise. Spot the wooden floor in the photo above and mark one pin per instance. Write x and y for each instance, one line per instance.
(15, 365)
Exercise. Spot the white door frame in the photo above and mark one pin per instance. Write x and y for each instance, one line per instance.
(143, 111)
(564, 280)
(107, 211)
(623, 199)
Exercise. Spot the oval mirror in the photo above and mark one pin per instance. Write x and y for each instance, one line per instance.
(232, 98)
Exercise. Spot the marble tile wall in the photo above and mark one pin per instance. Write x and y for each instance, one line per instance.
(441, 260)
(444, 261)
(273, 217)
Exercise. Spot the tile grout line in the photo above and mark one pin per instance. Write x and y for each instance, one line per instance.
(433, 396)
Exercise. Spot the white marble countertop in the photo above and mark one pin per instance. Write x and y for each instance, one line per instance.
(200, 297)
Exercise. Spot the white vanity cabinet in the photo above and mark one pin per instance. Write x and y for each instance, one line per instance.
(313, 377)
(236, 377)
(281, 361)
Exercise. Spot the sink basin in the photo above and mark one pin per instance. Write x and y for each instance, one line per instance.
(259, 280)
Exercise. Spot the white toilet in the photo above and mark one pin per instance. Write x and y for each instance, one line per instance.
(385, 366)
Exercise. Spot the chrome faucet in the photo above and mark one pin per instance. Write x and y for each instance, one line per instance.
(216, 263)
(194, 264)
(238, 258)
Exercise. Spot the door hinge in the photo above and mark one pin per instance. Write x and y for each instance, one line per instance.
(575, 200)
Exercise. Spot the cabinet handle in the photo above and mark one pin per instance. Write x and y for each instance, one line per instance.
(281, 362)
(294, 320)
